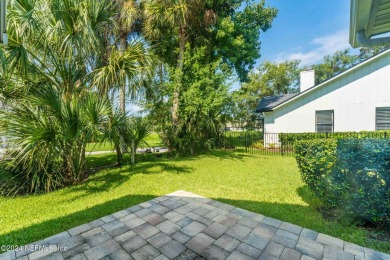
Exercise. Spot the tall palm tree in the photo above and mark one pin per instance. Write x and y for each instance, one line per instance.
(128, 14)
(177, 17)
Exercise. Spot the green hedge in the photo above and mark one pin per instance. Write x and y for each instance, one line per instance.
(350, 175)
(286, 138)
(315, 159)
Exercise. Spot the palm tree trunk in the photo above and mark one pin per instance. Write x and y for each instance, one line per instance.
(118, 154)
(178, 77)
(122, 89)
(133, 152)
(122, 98)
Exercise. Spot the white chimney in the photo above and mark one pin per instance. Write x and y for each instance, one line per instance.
(307, 79)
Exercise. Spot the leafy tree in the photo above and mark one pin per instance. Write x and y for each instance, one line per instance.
(334, 64)
(267, 80)
(173, 19)
(342, 60)
(236, 36)
(202, 103)
(366, 53)
(228, 33)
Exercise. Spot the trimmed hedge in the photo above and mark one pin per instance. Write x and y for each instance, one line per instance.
(351, 175)
(286, 138)
(316, 159)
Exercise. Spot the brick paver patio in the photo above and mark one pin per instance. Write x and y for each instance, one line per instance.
(182, 225)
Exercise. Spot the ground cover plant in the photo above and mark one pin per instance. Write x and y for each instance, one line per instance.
(268, 185)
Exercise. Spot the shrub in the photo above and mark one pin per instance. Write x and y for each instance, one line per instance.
(291, 138)
(351, 175)
(364, 166)
(315, 160)
(48, 134)
(258, 145)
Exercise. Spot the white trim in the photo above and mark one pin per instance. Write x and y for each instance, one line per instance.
(342, 74)
(3, 22)
(363, 14)
(353, 22)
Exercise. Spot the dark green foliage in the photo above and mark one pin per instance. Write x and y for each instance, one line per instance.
(48, 134)
(351, 176)
(364, 167)
(203, 97)
(236, 35)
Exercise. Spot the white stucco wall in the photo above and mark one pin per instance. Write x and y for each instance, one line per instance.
(354, 98)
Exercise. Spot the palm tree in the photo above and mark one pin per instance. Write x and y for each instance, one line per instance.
(121, 66)
(137, 130)
(167, 17)
(127, 16)
(62, 61)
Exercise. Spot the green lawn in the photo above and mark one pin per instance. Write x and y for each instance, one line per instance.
(269, 185)
(153, 140)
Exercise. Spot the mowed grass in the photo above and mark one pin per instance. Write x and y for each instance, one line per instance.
(269, 185)
(153, 140)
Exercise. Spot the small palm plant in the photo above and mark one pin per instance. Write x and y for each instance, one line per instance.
(50, 134)
(137, 130)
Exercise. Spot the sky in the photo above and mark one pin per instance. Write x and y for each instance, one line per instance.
(306, 30)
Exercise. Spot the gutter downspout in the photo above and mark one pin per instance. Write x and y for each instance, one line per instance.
(3, 22)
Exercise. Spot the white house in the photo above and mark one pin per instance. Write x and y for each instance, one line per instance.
(355, 100)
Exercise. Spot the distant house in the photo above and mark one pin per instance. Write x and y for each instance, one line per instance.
(355, 100)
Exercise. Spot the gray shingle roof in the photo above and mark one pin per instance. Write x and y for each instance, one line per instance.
(268, 103)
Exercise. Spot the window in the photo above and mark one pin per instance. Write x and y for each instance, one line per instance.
(383, 118)
(324, 121)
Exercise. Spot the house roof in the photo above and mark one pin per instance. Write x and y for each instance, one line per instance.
(369, 23)
(268, 104)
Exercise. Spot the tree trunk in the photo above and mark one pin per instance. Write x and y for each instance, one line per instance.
(122, 98)
(122, 89)
(178, 77)
(118, 154)
(133, 151)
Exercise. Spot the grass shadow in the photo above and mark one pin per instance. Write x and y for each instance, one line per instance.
(114, 176)
(158, 167)
(304, 216)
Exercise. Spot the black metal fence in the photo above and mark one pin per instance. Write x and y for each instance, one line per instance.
(253, 142)
(256, 142)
